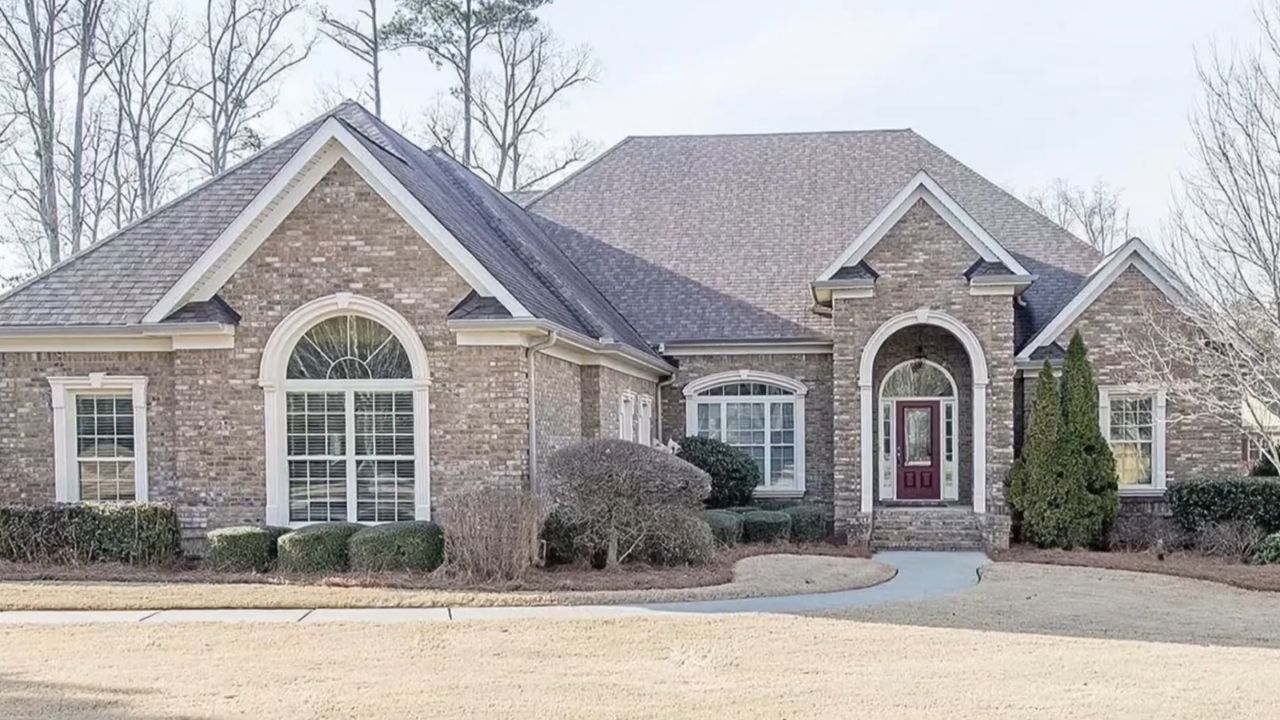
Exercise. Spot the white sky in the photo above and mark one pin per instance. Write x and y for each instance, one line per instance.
(1022, 91)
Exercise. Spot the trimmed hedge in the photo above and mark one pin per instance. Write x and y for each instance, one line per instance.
(241, 549)
(1196, 503)
(316, 548)
(686, 539)
(762, 526)
(808, 524)
(726, 527)
(734, 475)
(134, 533)
(398, 546)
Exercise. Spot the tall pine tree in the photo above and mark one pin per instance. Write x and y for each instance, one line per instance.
(1085, 453)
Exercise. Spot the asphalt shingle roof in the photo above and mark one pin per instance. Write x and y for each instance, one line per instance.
(121, 278)
(720, 236)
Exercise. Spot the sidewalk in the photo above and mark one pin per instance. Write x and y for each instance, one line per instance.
(920, 575)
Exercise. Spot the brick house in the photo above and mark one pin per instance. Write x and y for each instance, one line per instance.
(348, 327)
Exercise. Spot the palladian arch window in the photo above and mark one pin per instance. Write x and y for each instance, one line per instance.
(761, 414)
(349, 424)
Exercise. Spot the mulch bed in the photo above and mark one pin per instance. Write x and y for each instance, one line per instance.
(632, 576)
(1180, 564)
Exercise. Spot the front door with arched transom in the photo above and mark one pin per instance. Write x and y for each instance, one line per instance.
(917, 406)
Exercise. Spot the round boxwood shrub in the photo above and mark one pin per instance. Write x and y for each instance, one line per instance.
(682, 538)
(762, 526)
(734, 475)
(241, 549)
(316, 548)
(1268, 552)
(726, 527)
(398, 546)
(808, 524)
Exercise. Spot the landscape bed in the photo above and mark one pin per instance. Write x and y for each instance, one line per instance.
(1192, 565)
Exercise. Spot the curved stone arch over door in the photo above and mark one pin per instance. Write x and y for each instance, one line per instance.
(278, 380)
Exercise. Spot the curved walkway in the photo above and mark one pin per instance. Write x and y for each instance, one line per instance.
(921, 575)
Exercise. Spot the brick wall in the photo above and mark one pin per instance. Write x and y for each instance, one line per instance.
(1195, 443)
(558, 405)
(921, 262)
(602, 390)
(814, 370)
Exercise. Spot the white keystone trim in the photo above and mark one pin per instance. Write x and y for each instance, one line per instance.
(275, 360)
(64, 389)
(329, 144)
(978, 365)
(1134, 253)
(924, 187)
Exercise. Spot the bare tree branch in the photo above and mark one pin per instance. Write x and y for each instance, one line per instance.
(1096, 215)
(364, 44)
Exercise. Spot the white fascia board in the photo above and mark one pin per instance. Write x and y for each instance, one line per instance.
(330, 143)
(570, 345)
(924, 187)
(1134, 253)
(122, 338)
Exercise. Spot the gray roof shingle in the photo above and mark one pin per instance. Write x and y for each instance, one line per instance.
(719, 236)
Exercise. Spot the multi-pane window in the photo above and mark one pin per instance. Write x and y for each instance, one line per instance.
(627, 417)
(1131, 433)
(759, 419)
(105, 447)
(349, 425)
(644, 422)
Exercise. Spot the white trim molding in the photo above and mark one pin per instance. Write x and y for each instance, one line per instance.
(796, 394)
(330, 143)
(1134, 253)
(272, 379)
(570, 346)
(1159, 404)
(65, 464)
(147, 337)
(923, 187)
(978, 365)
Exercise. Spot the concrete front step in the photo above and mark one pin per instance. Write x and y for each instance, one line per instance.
(926, 528)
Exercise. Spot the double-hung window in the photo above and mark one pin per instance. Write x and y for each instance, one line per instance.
(1132, 421)
(100, 438)
(761, 415)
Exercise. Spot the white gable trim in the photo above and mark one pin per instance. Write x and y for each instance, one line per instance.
(329, 144)
(1134, 253)
(923, 187)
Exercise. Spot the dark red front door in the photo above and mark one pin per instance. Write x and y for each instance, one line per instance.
(919, 475)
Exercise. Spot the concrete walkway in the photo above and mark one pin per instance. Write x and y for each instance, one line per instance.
(920, 575)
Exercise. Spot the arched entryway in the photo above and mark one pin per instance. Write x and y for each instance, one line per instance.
(344, 382)
(881, 437)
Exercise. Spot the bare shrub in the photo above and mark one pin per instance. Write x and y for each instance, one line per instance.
(619, 494)
(492, 533)
(1233, 538)
(1139, 533)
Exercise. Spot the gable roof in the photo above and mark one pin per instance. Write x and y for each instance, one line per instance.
(1133, 253)
(720, 236)
(923, 188)
(149, 270)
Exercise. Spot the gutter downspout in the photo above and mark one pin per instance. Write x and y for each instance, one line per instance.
(658, 402)
(532, 350)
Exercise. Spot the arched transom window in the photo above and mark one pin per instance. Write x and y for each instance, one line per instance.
(760, 413)
(917, 379)
(349, 424)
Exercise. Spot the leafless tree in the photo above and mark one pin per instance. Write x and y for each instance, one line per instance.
(511, 110)
(245, 48)
(1223, 353)
(452, 33)
(1095, 215)
(87, 29)
(34, 39)
(364, 44)
(156, 110)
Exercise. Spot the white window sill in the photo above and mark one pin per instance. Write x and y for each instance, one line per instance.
(777, 492)
(1142, 492)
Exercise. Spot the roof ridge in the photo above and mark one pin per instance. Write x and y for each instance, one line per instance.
(155, 212)
(780, 133)
(579, 171)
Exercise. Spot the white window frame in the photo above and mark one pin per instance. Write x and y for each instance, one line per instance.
(644, 421)
(627, 416)
(66, 468)
(796, 394)
(1158, 395)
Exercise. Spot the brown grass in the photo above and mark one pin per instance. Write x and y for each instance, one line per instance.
(751, 666)
(1181, 564)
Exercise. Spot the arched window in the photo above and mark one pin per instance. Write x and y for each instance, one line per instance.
(760, 413)
(346, 415)
(917, 379)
